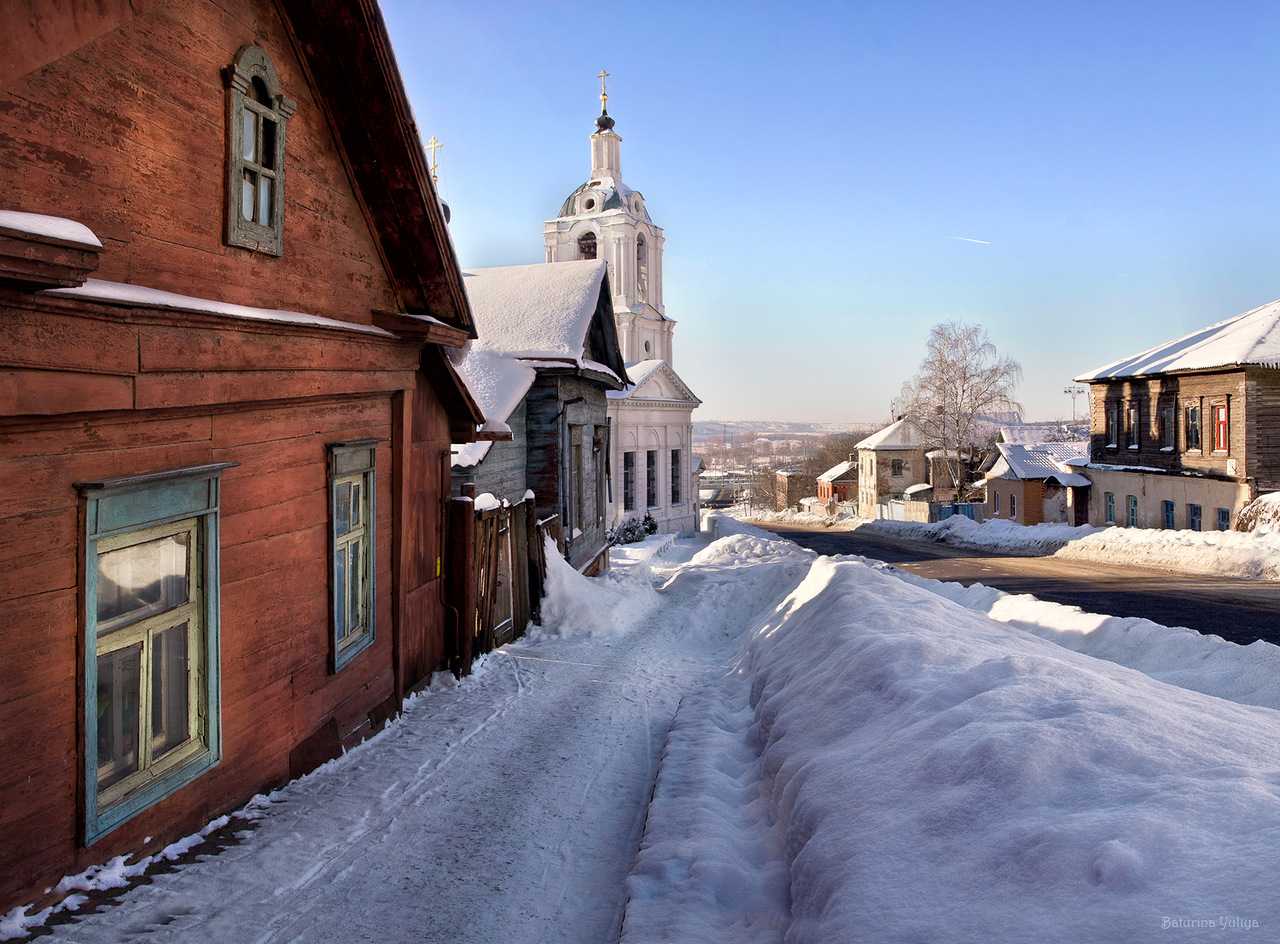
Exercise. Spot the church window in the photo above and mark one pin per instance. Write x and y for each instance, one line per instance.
(647, 347)
(589, 204)
(257, 112)
(587, 246)
(642, 268)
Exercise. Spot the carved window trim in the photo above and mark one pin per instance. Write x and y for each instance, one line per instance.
(252, 63)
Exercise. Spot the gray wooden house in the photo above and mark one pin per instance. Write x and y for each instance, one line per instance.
(546, 354)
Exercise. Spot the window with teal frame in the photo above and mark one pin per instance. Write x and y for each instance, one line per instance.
(151, 705)
(353, 548)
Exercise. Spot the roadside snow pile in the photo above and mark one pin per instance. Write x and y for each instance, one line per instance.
(1253, 554)
(995, 534)
(791, 516)
(943, 776)
(577, 605)
(1261, 514)
(1179, 656)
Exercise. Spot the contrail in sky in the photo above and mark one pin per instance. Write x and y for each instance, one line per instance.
(970, 239)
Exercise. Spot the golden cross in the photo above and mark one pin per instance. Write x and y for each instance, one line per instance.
(434, 145)
(604, 96)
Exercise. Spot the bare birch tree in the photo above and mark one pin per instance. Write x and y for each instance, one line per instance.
(962, 379)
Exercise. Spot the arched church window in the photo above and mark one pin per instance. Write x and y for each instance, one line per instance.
(642, 268)
(587, 246)
(258, 111)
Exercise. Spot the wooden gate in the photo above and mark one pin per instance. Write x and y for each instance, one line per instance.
(509, 569)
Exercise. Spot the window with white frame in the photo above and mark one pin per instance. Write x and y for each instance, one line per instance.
(1133, 431)
(1131, 511)
(352, 515)
(151, 714)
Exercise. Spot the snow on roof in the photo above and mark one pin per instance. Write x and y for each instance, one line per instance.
(497, 382)
(837, 471)
(917, 489)
(899, 435)
(50, 227)
(1040, 461)
(538, 311)
(465, 455)
(638, 373)
(1250, 338)
(120, 293)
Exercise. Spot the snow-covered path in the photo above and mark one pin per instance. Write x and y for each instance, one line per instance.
(510, 807)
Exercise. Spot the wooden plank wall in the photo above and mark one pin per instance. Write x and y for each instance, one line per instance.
(276, 690)
(127, 134)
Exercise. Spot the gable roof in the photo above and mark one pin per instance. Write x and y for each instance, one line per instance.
(548, 311)
(645, 377)
(348, 57)
(1251, 338)
(1040, 461)
(899, 435)
(497, 381)
(838, 471)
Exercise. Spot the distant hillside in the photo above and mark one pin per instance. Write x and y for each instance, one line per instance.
(705, 430)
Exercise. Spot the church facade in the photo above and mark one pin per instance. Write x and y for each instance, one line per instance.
(651, 419)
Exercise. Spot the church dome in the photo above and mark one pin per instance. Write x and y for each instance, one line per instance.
(601, 195)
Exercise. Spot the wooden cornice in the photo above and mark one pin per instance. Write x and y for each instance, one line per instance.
(420, 327)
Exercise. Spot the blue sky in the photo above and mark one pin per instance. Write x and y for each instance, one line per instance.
(812, 165)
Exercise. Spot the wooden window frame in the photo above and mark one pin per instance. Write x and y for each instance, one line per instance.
(252, 63)
(353, 463)
(1168, 427)
(1168, 515)
(1109, 507)
(897, 468)
(124, 512)
(1112, 424)
(1133, 426)
(1220, 515)
(1131, 511)
(1221, 447)
(1189, 427)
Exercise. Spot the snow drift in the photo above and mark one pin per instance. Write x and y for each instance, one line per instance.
(577, 605)
(1253, 554)
(943, 776)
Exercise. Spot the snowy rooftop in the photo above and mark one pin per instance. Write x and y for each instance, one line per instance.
(537, 311)
(899, 435)
(1250, 338)
(49, 227)
(837, 471)
(497, 381)
(1040, 461)
(1041, 432)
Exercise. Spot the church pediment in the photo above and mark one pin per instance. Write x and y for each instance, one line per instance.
(656, 380)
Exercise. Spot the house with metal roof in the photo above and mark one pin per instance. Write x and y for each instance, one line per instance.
(1032, 483)
(1181, 433)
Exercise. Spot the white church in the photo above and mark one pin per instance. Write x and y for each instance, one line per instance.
(651, 420)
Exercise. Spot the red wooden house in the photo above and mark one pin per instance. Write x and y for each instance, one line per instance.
(225, 412)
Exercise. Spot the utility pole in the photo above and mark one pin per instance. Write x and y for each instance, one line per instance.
(1073, 391)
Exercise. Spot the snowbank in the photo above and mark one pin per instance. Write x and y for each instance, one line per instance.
(1253, 554)
(1179, 656)
(791, 516)
(578, 605)
(1261, 514)
(943, 776)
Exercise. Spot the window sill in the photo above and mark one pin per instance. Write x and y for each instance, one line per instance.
(1133, 448)
(144, 798)
(347, 654)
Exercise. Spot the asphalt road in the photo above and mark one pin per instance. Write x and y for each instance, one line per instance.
(1236, 609)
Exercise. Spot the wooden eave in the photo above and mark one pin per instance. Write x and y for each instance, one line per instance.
(350, 63)
(32, 262)
(420, 327)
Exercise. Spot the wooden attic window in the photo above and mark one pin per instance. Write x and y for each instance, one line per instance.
(257, 112)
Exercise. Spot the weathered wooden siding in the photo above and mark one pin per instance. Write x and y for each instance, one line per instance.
(503, 470)
(1150, 394)
(1262, 433)
(546, 469)
(127, 134)
(277, 689)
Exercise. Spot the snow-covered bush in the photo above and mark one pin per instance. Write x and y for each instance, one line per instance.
(631, 531)
(650, 526)
(1261, 514)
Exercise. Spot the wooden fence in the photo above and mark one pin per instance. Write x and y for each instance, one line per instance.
(507, 573)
